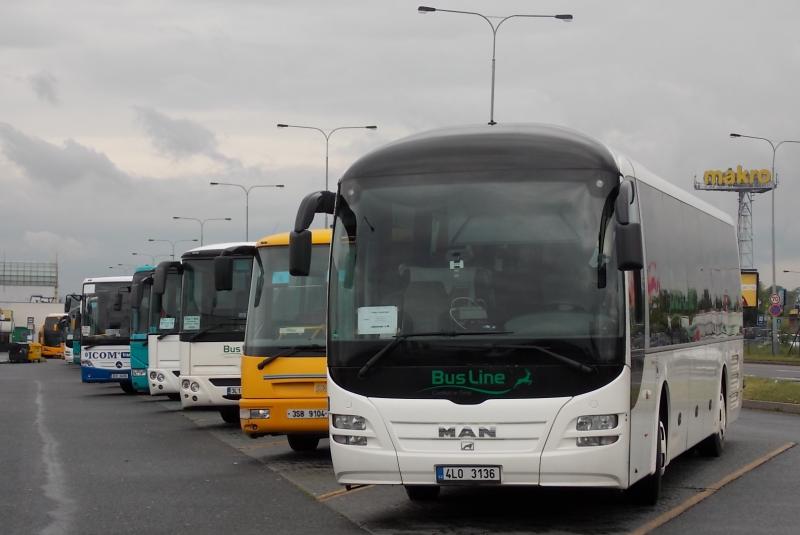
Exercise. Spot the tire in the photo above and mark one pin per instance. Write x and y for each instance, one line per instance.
(713, 445)
(174, 396)
(127, 387)
(423, 493)
(303, 442)
(648, 490)
(230, 415)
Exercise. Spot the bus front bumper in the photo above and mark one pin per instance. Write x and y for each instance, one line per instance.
(105, 375)
(162, 381)
(197, 391)
(261, 417)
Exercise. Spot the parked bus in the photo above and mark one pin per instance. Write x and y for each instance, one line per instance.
(519, 305)
(52, 335)
(212, 328)
(72, 349)
(163, 341)
(105, 331)
(283, 366)
(140, 325)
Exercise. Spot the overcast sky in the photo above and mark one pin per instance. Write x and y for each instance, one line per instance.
(115, 115)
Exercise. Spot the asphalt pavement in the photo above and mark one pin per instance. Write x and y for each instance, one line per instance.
(786, 372)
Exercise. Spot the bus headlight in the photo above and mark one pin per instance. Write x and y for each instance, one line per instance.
(350, 440)
(153, 375)
(595, 441)
(138, 373)
(597, 422)
(349, 421)
(194, 387)
(261, 414)
(185, 384)
(160, 377)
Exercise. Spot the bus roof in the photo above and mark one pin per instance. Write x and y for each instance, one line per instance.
(509, 146)
(214, 249)
(56, 315)
(318, 236)
(126, 278)
(145, 267)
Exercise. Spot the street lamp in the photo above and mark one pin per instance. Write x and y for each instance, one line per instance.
(152, 257)
(246, 191)
(172, 243)
(327, 135)
(775, 146)
(495, 28)
(202, 222)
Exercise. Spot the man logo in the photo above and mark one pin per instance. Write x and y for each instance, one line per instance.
(466, 431)
(467, 445)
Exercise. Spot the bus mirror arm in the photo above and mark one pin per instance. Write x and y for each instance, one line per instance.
(160, 275)
(223, 273)
(319, 202)
(628, 239)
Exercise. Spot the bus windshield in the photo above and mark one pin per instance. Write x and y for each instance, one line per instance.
(205, 311)
(166, 308)
(511, 255)
(105, 316)
(53, 332)
(285, 311)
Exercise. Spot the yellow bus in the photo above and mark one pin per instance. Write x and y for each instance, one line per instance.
(284, 385)
(52, 335)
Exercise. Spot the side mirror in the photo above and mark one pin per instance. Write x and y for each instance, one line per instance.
(117, 302)
(67, 304)
(300, 253)
(160, 276)
(319, 202)
(223, 273)
(136, 295)
(628, 238)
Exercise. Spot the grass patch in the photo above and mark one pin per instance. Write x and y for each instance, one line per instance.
(763, 389)
(763, 353)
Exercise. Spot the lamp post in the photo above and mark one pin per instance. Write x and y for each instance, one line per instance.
(152, 257)
(172, 243)
(327, 134)
(246, 191)
(202, 222)
(775, 146)
(495, 28)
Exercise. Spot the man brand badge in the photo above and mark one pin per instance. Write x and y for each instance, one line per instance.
(467, 445)
(465, 431)
(481, 381)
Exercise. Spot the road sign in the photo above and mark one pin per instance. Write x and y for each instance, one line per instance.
(775, 299)
(775, 310)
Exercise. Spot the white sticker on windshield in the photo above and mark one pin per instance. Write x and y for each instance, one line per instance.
(86, 330)
(191, 323)
(291, 330)
(88, 288)
(112, 332)
(166, 323)
(377, 320)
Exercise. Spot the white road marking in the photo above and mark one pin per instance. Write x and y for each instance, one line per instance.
(54, 487)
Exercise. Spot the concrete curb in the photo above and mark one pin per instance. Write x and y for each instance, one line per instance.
(771, 406)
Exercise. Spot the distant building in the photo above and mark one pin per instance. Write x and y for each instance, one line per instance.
(25, 282)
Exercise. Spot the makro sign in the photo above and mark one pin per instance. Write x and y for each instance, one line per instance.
(738, 178)
(492, 383)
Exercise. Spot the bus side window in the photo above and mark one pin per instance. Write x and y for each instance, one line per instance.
(636, 308)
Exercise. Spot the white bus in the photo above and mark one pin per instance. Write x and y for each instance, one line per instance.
(519, 305)
(163, 341)
(212, 329)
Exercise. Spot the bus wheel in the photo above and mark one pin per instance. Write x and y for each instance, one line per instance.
(422, 493)
(127, 387)
(713, 445)
(174, 397)
(303, 442)
(647, 491)
(230, 415)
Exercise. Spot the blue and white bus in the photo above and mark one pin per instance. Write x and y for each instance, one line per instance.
(520, 305)
(105, 331)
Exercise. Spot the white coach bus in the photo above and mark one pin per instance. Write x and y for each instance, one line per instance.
(519, 305)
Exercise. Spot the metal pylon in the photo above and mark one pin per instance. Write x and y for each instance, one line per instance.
(745, 229)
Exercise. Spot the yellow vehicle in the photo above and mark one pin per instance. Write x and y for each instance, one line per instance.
(284, 388)
(52, 335)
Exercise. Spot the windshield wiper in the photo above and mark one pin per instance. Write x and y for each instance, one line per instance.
(570, 362)
(292, 351)
(388, 348)
(167, 333)
(208, 328)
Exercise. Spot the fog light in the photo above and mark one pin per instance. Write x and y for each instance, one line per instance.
(160, 377)
(194, 387)
(350, 440)
(138, 373)
(185, 384)
(262, 414)
(595, 441)
(87, 363)
(153, 375)
(349, 421)
(594, 423)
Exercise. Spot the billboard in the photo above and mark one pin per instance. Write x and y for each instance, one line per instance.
(750, 288)
(738, 179)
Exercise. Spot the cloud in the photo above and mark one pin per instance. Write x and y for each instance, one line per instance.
(180, 138)
(45, 85)
(45, 241)
(42, 161)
